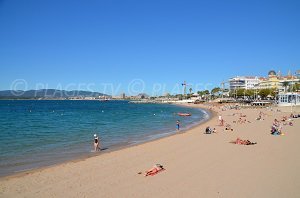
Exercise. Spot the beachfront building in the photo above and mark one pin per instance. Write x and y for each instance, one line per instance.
(271, 82)
(289, 99)
(278, 82)
(243, 82)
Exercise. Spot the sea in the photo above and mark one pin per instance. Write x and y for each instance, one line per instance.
(39, 133)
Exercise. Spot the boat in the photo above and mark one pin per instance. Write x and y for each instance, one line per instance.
(184, 114)
(104, 100)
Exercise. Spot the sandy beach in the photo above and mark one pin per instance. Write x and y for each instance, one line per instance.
(197, 165)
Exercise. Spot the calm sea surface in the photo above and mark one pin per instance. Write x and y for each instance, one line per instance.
(40, 133)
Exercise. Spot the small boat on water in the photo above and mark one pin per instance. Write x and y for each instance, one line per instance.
(104, 100)
(184, 114)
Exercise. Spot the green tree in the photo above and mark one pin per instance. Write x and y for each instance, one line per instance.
(250, 93)
(297, 86)
(264, 93)
(215, 90)
(190, 94)
(294, 87)
(273, 92)
(206, 92)
(240, 92)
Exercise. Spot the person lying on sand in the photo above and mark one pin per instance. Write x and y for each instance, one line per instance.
(296, 116)
(244, 142)
(154, 170)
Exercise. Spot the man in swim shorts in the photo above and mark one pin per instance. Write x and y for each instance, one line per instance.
(178, 125)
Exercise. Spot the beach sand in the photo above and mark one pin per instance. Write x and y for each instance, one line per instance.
(197, 165)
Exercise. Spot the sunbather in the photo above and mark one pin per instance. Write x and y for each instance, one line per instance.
(154, 170)
(244, 142)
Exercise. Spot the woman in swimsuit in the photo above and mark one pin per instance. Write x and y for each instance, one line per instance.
(244, 142)
(96, 142)
(156, 169)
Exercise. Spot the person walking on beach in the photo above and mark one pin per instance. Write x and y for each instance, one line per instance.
(178, 125)
(221, 121)
(96, 143)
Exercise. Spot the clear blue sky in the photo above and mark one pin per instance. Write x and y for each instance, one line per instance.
(83, 44)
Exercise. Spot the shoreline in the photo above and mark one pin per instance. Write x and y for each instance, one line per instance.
(83, 157)
(196, 164)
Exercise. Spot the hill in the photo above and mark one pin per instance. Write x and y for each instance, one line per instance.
(47, 93)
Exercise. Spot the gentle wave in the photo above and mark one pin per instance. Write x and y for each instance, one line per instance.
(41, 133)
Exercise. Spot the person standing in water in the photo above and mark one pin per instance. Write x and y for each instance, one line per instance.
(178, 125)
(96, 143)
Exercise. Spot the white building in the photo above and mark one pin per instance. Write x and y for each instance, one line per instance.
(289, 99)
(243, 82)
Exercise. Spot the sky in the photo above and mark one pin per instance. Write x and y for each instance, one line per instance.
(152, 46)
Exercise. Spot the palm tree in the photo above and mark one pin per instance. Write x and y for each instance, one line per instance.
(215, 90)
(190, 94)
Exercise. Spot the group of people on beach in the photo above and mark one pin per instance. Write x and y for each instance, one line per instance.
(294, 115)
(209, 130)
(241, 120)
(277, 125)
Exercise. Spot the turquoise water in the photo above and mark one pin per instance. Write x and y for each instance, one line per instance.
(40, 133)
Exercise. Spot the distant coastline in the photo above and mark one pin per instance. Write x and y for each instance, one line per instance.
(51, 94)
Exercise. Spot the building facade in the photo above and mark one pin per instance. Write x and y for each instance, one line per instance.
(243, 82)
(273, 81)
(278, 82)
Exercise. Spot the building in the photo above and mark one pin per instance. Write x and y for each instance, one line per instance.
(277, 82)
(272, 82)
(289, 99)
(123, 95)
(243, 82)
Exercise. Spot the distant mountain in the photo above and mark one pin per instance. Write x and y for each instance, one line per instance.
(47, 93)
